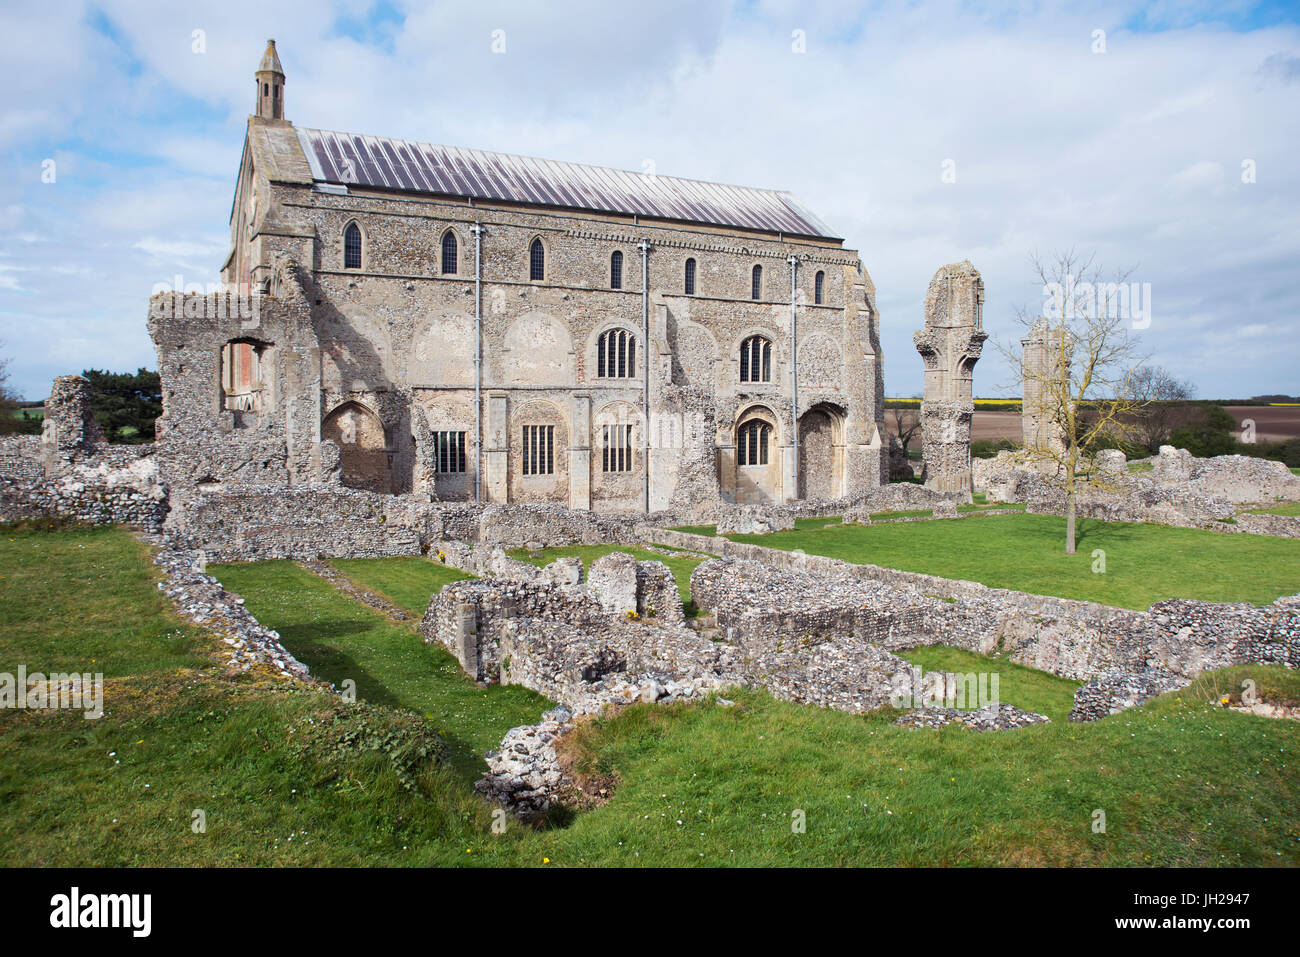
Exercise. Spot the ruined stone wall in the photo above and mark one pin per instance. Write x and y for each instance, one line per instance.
(761, 604)
(71, 473)
(269, 433)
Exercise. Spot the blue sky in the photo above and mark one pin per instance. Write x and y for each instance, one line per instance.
(1134, 154)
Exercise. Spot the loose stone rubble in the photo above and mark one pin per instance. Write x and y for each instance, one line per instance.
(203, 600)
(992, 717)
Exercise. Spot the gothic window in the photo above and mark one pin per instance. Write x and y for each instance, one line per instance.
(536, 260)
(690, 277)
(752, 440)
(449, 251)
(616, 453)
(616, 355)
(756, 283)
(449, 451)
(756, 359)
(352, 247)
(819, 287)
(538, 451)
(616, 270)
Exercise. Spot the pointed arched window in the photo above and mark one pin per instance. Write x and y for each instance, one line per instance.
(352, 247)
(616, 270)
(536, 260)
(449, 253)
(756, 283)
(819, 287)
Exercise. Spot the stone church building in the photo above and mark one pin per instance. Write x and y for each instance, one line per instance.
(474, 326)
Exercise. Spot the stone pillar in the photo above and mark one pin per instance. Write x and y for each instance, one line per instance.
(789, 474)
(69, 429)
(1040, 352)
(496, 444)
(950, 346)
(580, 452)
(466, 639)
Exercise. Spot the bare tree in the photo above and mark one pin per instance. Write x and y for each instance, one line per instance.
(8, 401)
(907, 423)
(1165, 400)
(1082, 378)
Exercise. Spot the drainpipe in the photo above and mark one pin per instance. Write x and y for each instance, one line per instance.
(477, 230)
(644, 246)
(793, 260)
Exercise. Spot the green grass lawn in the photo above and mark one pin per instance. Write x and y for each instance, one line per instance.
(122, 631)
(1144, 563)
(290, 775)
(408, 583)
(338, 638)
(1027, 688)
(1289, 508)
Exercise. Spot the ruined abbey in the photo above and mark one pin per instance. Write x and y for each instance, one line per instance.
(467, 326)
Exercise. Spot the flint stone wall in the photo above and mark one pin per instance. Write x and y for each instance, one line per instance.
(761, 606)
(100, 485)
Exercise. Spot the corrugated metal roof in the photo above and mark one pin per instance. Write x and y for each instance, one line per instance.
(380, 162)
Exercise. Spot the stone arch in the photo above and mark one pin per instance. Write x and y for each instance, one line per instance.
(761, 482)
(821, 452)
(442, 351)
(618, 414)
(363, 448)
(821, 363)
(551, 486)
(537, 351)
(694, 349)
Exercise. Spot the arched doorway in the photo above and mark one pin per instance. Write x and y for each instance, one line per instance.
(821, 453)
(363, 452)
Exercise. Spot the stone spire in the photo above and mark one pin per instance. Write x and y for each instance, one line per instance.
(270, 85)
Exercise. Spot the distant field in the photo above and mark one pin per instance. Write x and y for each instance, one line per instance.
(1273, 423)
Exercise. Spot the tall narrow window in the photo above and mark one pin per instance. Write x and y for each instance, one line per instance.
(756, 359)
(538, 451)
(616, 270)
(616, 453)
(616, 354)
(752, 440)
(352, 247)
(450, 451)
(819, 287)
(690, 277)
(756, 283)
(536, 260)
(449, 251)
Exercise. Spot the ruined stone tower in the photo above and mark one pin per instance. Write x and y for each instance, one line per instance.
(950, 345)
(1040, 353)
